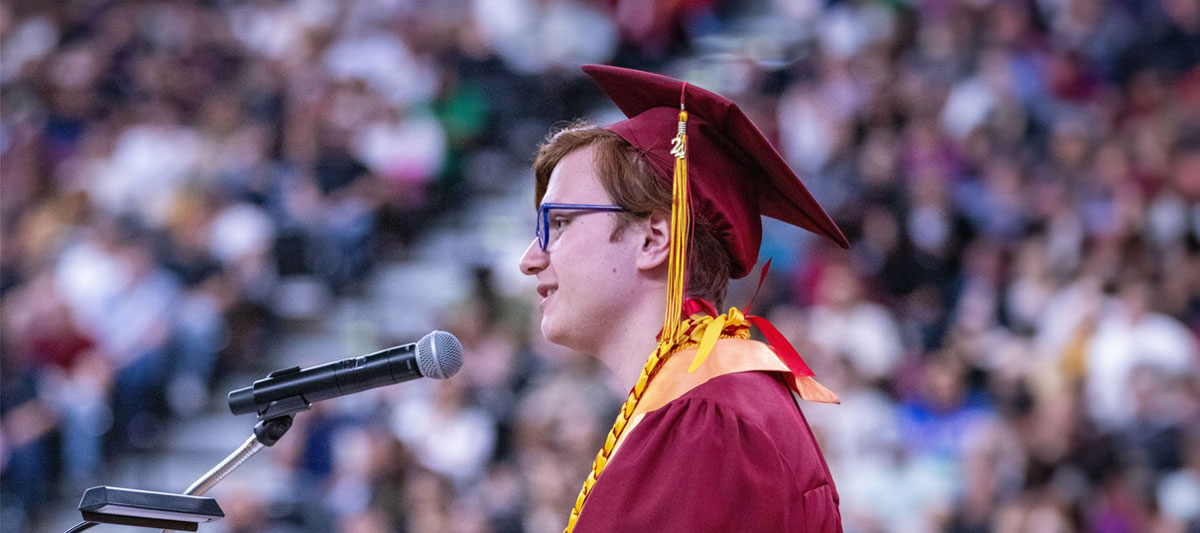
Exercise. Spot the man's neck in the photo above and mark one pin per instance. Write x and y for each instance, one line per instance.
(625, 352)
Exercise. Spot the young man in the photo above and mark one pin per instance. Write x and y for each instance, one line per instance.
(640, 226)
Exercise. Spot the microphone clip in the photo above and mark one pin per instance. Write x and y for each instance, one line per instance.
(276, 418)
(268, 431)
(287, 406)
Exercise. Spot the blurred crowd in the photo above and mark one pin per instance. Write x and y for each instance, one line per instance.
(1013, 333)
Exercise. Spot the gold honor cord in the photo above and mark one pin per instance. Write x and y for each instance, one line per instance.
(672, 336)
(635, 395)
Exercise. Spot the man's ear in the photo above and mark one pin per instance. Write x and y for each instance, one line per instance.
(656, 242)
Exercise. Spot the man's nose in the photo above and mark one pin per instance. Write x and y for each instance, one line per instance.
(534, 259)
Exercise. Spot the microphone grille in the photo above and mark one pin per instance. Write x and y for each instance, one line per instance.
(439, 355)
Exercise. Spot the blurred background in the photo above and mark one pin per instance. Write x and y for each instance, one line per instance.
(195, 193)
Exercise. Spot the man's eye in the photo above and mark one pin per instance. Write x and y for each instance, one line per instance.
(558, 222)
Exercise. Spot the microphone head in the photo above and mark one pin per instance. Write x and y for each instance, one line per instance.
(439, 355)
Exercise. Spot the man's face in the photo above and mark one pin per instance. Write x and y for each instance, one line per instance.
(584, 279)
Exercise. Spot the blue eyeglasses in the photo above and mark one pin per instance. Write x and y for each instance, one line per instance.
(544, 229)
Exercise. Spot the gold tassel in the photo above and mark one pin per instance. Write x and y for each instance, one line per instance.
(681, 228)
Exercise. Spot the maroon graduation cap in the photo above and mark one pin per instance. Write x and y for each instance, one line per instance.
(734, 174)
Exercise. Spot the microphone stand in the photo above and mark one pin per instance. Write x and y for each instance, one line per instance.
(266, 433)
(273, 423)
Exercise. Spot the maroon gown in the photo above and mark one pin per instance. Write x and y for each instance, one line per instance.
(732, 454)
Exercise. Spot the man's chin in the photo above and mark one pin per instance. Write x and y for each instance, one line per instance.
(558, 335)
(552, 334)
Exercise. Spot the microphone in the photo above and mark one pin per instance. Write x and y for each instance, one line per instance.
(437, 355)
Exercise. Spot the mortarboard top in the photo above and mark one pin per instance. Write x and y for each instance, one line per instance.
(735, 174)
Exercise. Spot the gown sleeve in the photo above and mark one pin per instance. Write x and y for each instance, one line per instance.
(695, 466)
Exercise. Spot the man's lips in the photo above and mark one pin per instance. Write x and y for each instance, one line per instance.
(545, 290)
